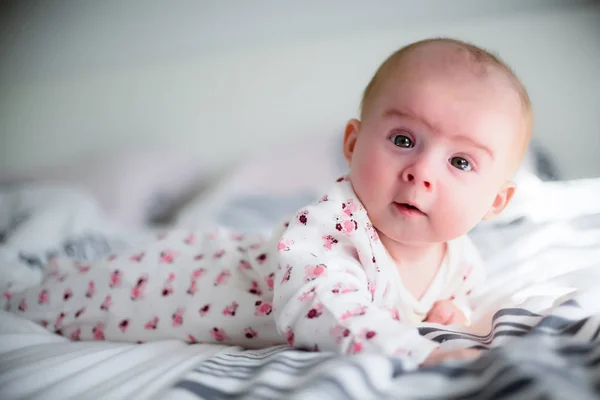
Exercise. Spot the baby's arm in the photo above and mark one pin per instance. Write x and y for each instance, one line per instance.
(322, 300)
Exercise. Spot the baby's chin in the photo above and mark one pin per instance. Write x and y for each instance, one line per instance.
(417, 239)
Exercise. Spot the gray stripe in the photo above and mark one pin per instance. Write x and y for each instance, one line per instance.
(250, 391)
(595, 335)
(286, 355)
(571, 303)
(549, 325)
(559, 325)
(224, 369)
(550, 329)
(449, 336)
(260, 354)
(510, 312)
(201, 389)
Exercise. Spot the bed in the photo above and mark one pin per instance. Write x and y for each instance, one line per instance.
(540, 317)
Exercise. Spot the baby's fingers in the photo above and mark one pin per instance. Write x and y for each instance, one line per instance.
(441, 313)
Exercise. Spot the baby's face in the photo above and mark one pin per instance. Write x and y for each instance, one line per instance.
(439, 139)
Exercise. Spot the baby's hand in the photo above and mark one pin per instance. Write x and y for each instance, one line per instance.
(439, 355)
(446, 313)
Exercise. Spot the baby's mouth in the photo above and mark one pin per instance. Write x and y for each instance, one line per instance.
(409, 209)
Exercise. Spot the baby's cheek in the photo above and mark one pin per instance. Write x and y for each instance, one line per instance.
(456, 217)
(368, 178)
(481, 202)
(371, 175)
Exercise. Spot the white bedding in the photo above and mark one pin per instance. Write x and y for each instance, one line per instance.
(37, 364)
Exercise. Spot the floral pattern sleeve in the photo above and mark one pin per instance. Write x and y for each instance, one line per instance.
(323, 295)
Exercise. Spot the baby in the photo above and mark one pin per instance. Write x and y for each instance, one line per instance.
(444, 126)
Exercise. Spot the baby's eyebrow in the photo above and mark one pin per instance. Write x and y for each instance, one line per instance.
(473, 143)
(393, 112)
(404, 113)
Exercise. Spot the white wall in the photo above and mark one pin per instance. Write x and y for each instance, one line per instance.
(230, 80)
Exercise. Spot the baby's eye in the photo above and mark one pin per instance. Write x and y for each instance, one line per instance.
(403, 141)
(460, 163)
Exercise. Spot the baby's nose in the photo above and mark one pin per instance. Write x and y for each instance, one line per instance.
(416, 176)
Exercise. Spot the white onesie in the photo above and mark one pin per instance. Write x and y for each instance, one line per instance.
(323, 281)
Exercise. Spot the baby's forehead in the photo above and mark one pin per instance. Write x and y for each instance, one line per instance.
(444, 61)
(435, 68)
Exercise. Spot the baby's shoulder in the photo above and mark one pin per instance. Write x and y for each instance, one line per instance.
(338, 200)
(337, 213)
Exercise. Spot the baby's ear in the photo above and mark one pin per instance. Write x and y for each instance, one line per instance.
(503, 197)
(350, 136)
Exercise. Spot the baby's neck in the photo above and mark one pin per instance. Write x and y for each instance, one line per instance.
(417, 265)
(410, 256)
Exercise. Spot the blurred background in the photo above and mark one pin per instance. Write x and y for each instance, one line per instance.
(225, 80)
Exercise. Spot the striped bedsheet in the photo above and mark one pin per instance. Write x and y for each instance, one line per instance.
(555, 358)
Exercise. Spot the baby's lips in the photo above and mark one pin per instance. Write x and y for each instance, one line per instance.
(415, 205)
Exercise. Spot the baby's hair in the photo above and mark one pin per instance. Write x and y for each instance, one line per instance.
(477, 55)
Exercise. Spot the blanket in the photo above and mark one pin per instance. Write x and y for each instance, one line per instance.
(539, 325)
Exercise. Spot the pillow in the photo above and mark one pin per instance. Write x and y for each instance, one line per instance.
(134, 187)
(257, 193)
